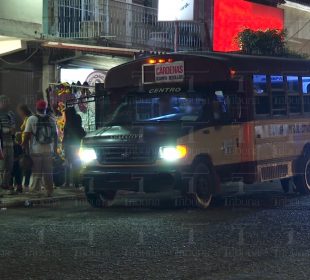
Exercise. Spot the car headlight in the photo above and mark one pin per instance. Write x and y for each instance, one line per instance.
(87, 155)
(172, 153)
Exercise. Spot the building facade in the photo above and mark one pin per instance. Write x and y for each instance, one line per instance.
(297, 23)
(120, 28)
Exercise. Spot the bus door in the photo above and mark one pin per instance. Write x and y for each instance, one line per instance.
(222, 134)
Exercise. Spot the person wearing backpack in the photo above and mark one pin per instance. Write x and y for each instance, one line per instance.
(40, 140)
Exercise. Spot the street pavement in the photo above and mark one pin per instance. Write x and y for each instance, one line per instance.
(259, 234)
(22, 199)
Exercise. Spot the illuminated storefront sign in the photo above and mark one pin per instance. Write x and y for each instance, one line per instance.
(232, 16)
(95, 78)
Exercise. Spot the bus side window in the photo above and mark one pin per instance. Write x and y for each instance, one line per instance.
(226, 107)
(306, 93)
(262, 104)
(294, 97)
(279, 106)
(234, 107)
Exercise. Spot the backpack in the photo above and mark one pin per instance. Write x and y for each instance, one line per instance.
(44, 133)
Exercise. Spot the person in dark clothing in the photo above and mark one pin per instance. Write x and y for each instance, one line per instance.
(24, 113)
(16, 175)
(73, 134)
(7, 129)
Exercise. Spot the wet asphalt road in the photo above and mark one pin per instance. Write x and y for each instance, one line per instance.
(262, 234)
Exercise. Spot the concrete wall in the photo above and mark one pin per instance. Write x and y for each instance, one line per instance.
(22, 10)
(21, 83)
(298, 26)
(21, 17)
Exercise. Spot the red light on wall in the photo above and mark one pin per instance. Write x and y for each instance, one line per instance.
(232, 16)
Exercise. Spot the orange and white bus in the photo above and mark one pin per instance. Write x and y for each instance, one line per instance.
(192, 121)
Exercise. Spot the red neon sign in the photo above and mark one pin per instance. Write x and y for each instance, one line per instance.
(232, 16)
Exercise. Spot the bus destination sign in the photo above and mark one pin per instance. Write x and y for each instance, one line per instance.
(169, 72)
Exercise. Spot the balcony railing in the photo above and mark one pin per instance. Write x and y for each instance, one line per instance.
(117, 23)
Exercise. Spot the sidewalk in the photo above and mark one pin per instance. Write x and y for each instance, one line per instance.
(29, 199)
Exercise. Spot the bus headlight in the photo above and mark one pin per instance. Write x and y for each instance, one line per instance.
(172, 153)
(87, 155)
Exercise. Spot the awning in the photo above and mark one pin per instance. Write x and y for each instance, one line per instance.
(93, 49)
(99, 62)
(10, 45)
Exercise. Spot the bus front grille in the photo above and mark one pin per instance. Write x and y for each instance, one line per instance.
(133, 154)
(274, 171)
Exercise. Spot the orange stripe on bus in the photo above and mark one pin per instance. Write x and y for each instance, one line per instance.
(247, 148)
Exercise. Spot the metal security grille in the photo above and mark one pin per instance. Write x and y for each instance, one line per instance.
(117, 23)
(275, 171)
(124, 153)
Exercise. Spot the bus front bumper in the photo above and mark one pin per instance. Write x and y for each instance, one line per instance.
(139, 179)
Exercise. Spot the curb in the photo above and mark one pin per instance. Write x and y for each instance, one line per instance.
(39, 201)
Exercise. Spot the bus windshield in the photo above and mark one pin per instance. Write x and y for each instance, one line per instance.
(168, 108)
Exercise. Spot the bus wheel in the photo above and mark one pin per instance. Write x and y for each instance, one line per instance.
(202, 185)
(302, 180)
(101, 200)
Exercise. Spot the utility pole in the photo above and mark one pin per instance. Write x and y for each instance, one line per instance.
(176, 36)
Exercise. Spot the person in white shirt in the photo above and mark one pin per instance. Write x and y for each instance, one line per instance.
(41, 142)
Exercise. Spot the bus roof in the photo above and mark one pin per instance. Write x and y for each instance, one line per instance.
(252, 63)
(219, 65)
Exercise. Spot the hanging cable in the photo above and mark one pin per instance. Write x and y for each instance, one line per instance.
(21, 62)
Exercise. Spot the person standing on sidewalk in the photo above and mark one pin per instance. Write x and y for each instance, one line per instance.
(73, 134)
(41, 134)
(7, 129)
(24, 113)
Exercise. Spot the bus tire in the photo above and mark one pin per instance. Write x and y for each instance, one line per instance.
(302, 179)
(200, 187)
(100, 200)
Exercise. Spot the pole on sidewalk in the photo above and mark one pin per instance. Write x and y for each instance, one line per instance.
(176, 36)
